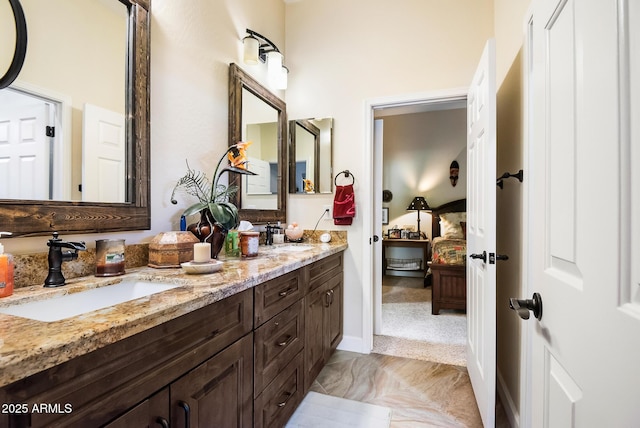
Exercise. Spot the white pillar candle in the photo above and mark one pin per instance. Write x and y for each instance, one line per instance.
(201, 252)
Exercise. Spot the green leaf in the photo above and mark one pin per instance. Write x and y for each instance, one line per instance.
(195, 208)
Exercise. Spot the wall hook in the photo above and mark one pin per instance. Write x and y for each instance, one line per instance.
(500, 181)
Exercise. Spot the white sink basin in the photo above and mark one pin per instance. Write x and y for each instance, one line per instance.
(70, 305)
(292, 248)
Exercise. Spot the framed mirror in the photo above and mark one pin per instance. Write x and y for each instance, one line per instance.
(310, 156)
(59, 208)
(257, 115)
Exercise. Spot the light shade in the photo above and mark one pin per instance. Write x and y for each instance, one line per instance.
(274, 64)
(418, 204)
(283, 78)
(251, 50)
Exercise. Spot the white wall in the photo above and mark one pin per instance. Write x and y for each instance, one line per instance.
(357, 50)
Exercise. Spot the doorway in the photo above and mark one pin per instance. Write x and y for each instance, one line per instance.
(407, 167)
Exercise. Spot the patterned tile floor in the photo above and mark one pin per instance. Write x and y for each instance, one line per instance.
(420, 393)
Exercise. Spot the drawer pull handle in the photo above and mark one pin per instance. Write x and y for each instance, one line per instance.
(327, 299)
(284, 403)
(285, 292)
(187, 413)
(286, 341)
(162, 422)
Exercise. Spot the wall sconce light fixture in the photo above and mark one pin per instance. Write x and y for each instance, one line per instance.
(257, 48)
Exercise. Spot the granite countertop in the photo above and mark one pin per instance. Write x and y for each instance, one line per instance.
(29, 346)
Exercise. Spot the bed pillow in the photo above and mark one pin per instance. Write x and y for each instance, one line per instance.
(450, 225)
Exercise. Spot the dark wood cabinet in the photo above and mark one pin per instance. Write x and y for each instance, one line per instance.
(152, 412)
(292, 345)
(244, 361)
(278, 343)
(323, 321)
(108, 383)
(218, 393)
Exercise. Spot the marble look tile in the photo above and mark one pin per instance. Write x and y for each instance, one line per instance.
(420, 393)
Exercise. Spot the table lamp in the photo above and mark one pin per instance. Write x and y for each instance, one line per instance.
(418, 204)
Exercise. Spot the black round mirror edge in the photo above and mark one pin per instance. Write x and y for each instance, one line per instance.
(238, 79)
(20, 51)
(37, 218)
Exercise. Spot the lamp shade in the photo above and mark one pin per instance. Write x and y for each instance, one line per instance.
(418, 204)
(282, 80)
(274, 64)
(251, 50)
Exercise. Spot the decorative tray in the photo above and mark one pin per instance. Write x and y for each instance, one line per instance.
(200, 268)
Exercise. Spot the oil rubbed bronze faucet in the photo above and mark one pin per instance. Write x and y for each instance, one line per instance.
(57, 256)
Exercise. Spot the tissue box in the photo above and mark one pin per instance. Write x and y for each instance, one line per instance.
(169, 249)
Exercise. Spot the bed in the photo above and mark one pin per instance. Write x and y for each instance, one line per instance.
(449, 252)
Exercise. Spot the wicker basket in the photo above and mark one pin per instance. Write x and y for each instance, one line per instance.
(404, 264)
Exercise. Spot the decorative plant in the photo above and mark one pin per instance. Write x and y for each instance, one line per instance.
(211, 195)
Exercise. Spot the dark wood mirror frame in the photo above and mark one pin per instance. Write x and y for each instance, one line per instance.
(238, 80)
(33, 218)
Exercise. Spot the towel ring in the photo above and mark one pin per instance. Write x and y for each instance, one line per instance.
(347, 174)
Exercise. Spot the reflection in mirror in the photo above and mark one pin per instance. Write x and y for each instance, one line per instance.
(310, 153)
(83, 154)
(107, 72)
(260, 126)
(256, 115)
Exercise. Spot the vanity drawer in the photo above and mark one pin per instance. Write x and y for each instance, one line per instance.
(321, 271)
(279, 400)
(277, 341)
(273, 296)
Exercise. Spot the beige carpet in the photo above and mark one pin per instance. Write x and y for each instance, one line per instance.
(409, 330)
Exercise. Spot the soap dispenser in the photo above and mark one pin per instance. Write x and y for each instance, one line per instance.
(6, 271)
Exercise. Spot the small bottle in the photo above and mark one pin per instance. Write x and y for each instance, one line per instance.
(6, 271)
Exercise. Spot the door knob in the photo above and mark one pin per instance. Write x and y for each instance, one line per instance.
(522, 307)
(482, 256)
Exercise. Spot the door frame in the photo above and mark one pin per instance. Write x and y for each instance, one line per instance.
(62, 149)
(527, 288)
(370, 203)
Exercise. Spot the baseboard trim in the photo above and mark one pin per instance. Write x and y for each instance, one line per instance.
(353, 344)
(509, 406)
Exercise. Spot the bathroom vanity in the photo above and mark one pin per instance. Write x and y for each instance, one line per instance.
(239, 347)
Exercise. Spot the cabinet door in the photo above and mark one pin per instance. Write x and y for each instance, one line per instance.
(333, 316)
(314, 338)
(151, 413)
(219, 392)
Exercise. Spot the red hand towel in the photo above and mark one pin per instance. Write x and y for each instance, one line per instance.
(344, 205)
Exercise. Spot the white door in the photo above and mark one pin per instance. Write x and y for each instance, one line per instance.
(481, 234)
(103, 155)
(378, 133)
(24, 152)
(585, 188)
